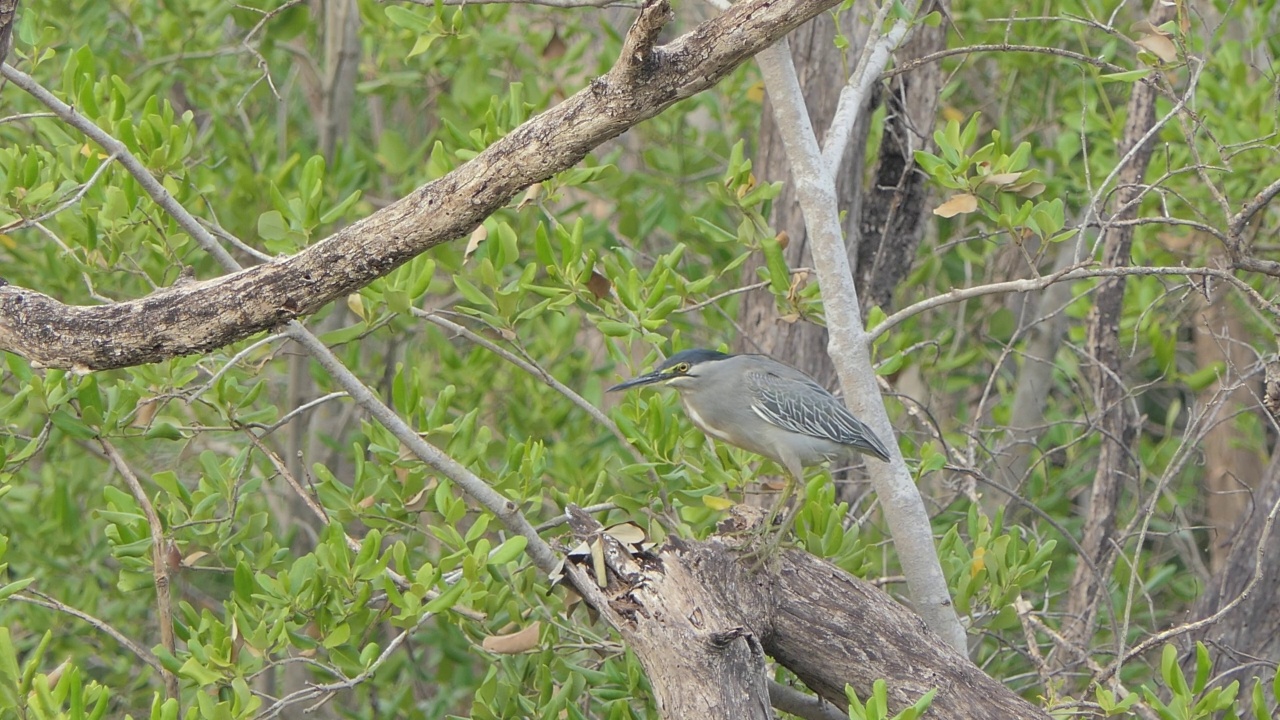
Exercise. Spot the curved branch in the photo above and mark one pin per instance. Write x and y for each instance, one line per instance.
(196, 317)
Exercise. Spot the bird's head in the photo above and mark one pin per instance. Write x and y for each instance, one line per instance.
(680, 371)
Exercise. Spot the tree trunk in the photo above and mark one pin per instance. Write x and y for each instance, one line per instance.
(1115, 424)
(1250, 631)
(1232, 469)
(894, 208)
(822, 71)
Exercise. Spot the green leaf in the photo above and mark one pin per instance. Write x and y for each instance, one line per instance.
(338, 636)
(509, 550)
(779, 275)
(15, 586)
(447, 599)
(271, 226)
(409, 19)
(1203, 667)
(202, 675)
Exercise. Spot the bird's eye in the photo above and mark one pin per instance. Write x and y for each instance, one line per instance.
(682, 368)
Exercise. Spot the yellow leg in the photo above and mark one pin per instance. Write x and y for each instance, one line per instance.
(772, 536)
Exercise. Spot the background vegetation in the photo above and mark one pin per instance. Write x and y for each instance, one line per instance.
(279, 124)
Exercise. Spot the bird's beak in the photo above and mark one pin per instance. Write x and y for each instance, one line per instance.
(648, 379)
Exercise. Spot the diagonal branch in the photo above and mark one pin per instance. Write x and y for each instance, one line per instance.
(199, 316)
(849, 343)
(159, 560)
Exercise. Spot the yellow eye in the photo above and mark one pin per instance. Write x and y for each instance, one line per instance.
(682, 368)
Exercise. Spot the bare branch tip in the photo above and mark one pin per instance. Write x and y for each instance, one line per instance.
(643, 35)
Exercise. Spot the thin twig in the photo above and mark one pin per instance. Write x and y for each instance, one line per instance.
(316, 691)
(21, 223)
(507, 511)
(1173, 632)
(231, 363)
(1001, 47)
(353, 544)
(596, 414)
(268, 429)
(46, 601)
(159, 561)
(1068, 274)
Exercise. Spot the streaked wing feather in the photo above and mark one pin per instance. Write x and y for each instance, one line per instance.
(804, 407)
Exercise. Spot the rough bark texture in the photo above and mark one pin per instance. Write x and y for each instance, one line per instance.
(893, 207)
(8, 15)
(1250, 631)
(1115, 424)
(822, 74)
(826, 626)
(196, 317)
(718, 667)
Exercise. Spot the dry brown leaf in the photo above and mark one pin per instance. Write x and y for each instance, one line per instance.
(599, 285)
(555, 47)
(783, 239)
(1029, 190)
(1001, 179)
(627, 533)
(479, 235)
(367, 502)
(530, 196)
(146, 413)
(1160, 46)
(417, 502)
(190, 560)
(957, 205)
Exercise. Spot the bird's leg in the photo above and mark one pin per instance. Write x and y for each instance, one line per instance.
(771, 536)
(787, 487)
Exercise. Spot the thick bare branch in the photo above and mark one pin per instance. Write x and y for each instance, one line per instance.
(196, 317)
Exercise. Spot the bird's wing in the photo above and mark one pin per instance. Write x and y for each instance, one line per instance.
(802, 406)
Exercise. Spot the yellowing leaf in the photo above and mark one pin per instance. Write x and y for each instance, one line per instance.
(979, 562)
(356, 305)
(717, 503)
(755, 93)
(190, 560)
(957, 205)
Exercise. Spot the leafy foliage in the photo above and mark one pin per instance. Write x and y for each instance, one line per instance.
(640, 247)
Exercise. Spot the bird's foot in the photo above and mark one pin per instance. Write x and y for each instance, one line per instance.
(768, 543)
